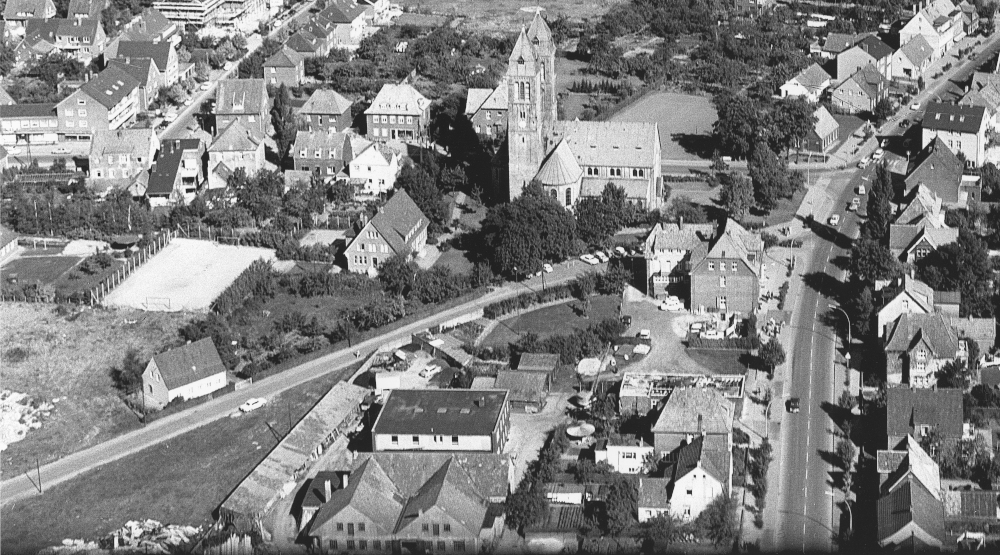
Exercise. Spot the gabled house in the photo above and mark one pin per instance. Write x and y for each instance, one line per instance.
(836, 43)
(375, 169)
(108, 101)
(163, 55)
(144, 72)
(187, 372)
(528, 390)
(939, 22)
(244, 100)
(914, 297)
(399, 227)
(691, 412)
(912, 59)
(970, 17)
(326, 152)
(726, 278)
(917, 412)
(698, 475)
(862, 91)
(905, 459)
(177, 172)
(323, 30)
(349, 24)
(487, 110)
(668, 252)
(919, 228)
(326, 110)
(987, 96)
(150, 25)
(306, 44)
(17, 13)
(236, 147)
(868, 50)
(910, 509)
(85, 9)
(398, 112)
(285, 67)
(83, 39)
(961, 127)
(119, 158)
(823, 134)
(916, 347)
(939, 169)
(39, 39)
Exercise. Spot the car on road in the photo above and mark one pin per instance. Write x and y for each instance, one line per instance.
(601, 256)
(904, 124)
(189, 102)
(672, 304)
(644, 334)
(861, 190)
(590, 259)
(253, 404)
(620, 251)
(915, 106)
(547, 268)
(855, 203)
(430, 371)
(879, 154)
(792, 405)
(626, 319)
(863, 163)
(60, 150)
(205, 86)
(171, 117)
(835, 220)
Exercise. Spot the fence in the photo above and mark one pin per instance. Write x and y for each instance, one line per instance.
(134, 262)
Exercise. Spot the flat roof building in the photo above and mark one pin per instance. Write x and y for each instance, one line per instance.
(443, 420)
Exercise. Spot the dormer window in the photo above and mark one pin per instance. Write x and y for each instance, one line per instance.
(520, 61)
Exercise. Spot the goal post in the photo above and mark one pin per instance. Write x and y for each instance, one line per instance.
(157, 303)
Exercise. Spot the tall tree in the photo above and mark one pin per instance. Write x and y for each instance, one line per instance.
(736, 195)
(739, 124)
(396, 275)
(963, 266)
(879, 206)
(424, 191)
(283, 120)
(598, 218)
(791, 121)
(717, 521)
(772, 355)
(769, 177)
(621, 505)
(871, 262)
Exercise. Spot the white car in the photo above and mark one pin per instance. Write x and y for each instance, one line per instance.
(915, 106)
(590, 259)
(188, 102)
(170, 118)
(430, 371)
(601, 256)
(252, 404)
(879, 154)
(644, 334)
(672, 304)
(835, 220)
(205, 86)
(60, 150)
(855, 203)
(696, 327)
(863, 163)
(547, 268)
(620, 251)
(861, 190)
(711, 334)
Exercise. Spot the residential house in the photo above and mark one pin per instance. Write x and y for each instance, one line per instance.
(912, 59)
(150, 25)
(375, 169)
(698, 475)
(626, 455)
(399, 227)
(161, 53)
(836, 43)
(914, 297)
(121, 157)
(187, 372)
(862, 91)
(939, 22)
(398, 112)
(5, 98)
(83, 39)
(910, 510)
(916, 347)
(177, 172)
(285, 67)
(669, 250)
(528, 390)
(244, 100)
(306, 44)
(326, 110)
(919, 228)
(243, 15)
(726, 278)
(433, 503)
(939, 169)
(823, 134)
(545, 363)
(690, 412)
(867, 51)
(144, 71)
(987, 96)
(39, 39)
(85, 9)
(17, 13)
(323, 30)
(917, 412)
(970, 18)
(22, 124)
(654, 498)
(487, 110)
(8, 238)
(109, 101)
(349, 24)
(982, 331)
(961, 127)
(236, 147)
(443, 420)
(326, 152)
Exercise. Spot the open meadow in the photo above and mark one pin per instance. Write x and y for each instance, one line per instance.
(541, 321)
(187, 274)
(68, 357)
(685, 123)
(507, 15)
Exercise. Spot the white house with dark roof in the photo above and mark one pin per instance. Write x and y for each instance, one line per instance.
(690, 412)
(108, 101)
(144, 71)
(187, 372)
(862, 91)
(487, 110)
(870, 50)
(177, 172)
(398, 112)
(823, 135)
(119, 157)
(941, 170)
(912, 59)
(236, 147)
(913, 296)
(939, 22)
(399, 227)
(162, 53)
(810, 83)
(961, 127)
(244, 100)
(375, 169)
(36, 124)
(443, 420)
(81, 38)
(668, 252)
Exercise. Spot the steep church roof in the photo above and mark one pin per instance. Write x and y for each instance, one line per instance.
(539, 31)
(560, 167)
(522, 52)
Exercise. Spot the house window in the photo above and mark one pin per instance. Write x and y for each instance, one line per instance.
(711, 266)
(395, 440)
(720, 303)
(385, 119)
(447, 527)
(425, 527)
(409, 119)
(377, 545)
(569, 196)
(319, 154)
(416, 440)
(628, 455)
(302, 153)
(83, 123)
(458, 545)
(592, 171)
(690, 492)
(253, 118)
(437, 529)
(81, 102)
(361, 527)
(441, 545)
(362, 544)
(69, 123)
(350, 545)
(734, 267)
(340, 526)
(454, 440)
(333, 544)
(69, 113)
(350, 528)
(687, 512)
(722, 282)
(392, 119)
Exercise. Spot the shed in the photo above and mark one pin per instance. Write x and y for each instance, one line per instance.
(528, 390)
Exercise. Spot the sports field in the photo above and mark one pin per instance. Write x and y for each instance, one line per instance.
(685, 123)
(188, 274)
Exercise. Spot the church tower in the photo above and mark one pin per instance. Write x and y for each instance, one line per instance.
(545, 48)
(525, 118)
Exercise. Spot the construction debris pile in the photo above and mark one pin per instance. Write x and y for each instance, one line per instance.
(147, 536)
(20, 413)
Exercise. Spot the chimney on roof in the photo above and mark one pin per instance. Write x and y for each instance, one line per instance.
(327, 490)
(345, 479)
(701, 425)
(177, 144)
(680, 222)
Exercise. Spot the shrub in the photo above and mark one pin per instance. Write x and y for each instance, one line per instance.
(16, 355)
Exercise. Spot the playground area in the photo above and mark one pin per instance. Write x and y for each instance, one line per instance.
(187, 275)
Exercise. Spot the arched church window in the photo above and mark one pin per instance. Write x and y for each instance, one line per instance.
(554, 193)
(569, 196)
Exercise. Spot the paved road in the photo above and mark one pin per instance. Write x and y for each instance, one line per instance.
(805, 507)
(21, 487)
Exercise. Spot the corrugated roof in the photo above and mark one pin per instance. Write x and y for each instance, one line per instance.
(440, 411)
(398, 99)
(980, 504)
(110, 86)
(325, 101)
(908, 408)
(951, 117)
(189, 363)
(560, 167)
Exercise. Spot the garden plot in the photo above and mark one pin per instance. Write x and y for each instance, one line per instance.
(188, 274)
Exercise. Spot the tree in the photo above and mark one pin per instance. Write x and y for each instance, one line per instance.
(963, 266)
(283, 120)
(718, 164)
(683, 209)
(772, 355)
(525, 506)
(589, 472)
(421, 187)
(260, 195)
(201, 71)
(739, 123)
(792, 120)
(7, 58)
(845, 452)
(736, 195)
(879, 208)
(659, 531)
(989, 178)
(127, 376)
(860, 306)
(769, 176)
(717, 521)
(396, 275)
(598, 218)
(871, 262)
(954, 374)
(621, 505)
(614, 280)
(883, 110)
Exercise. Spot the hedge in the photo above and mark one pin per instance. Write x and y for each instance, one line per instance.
(526, 300)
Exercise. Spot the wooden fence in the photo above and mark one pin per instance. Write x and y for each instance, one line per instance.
(134, 262)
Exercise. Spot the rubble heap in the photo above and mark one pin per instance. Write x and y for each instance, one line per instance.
(18, 414)
(147, 536)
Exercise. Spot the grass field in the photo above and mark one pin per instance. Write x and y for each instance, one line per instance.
(685, 123)
(506, 15)
(327, 308)
(178, 482)
(188, 272)
(70, 357)
(541, 321)
(46, 269)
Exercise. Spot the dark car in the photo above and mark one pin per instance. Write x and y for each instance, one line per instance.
(627, 320)
(904, 124)
(792, 405)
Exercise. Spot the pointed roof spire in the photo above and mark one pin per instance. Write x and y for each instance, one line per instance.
(522, 49)
(539, 30)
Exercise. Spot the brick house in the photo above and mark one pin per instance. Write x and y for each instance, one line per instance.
(399, 227)
(726, 278)
(398, 112)
(916, 347)
(961, 127)
(83, 39)
(244, 100)
(487, 110)
(443, 420)
(236, 147)
(187, 372)
(823, 134)
(868, 50)
(107, 102)
(285, 67)
(326, 110)
(862, 91)
(668, 250)
(326, 152)
(120, 156)
(161, 53)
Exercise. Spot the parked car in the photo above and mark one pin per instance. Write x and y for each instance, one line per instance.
(620, 251)
(863, 163)
(861, 190)
(855, 203)
(904, 124)
(547, 268)
(672, 304)
(170, 118)
(430, 371)
(189, 102)
(644, 334)
(835, 220)
(915, 106)
(879, 154)
(601, 256)
(590, 259)
(60, 150)
(696, 327)
(205, 86)
(792, 405)
(626, 319)
(252, 404)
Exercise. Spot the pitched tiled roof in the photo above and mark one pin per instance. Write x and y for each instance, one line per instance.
(918, 50)
(81, 28)
(110, 86)
(539, 29)
(22, 9)
(286, 57)
(399, 217)
(938, 168)
(678, 237)
(911, 329)
(241, 96)
(489, 473)
(908, 408)
(27, 110)
(189, 363)
(735, 241)
(654, 493)
(475, 99)
(137, 68)
(904, 237)
(159, 52)
(923, 207)
(825, 123)
(40, 30)
(947, 297)
(370, 492)
(607, 143)
(980, 504)
(135, 141)
(694, 455)
(988, 97)
(303, 42)
(450, 491)
(498, 98)
(325, 101)
(685, 405)
(874, 47)
(909, 503)
(236, 137)
(951, 117)
(343, 14)
(869, 80)
(559, 167)
(917, 462)
(524, 387)
(398, 99)
(981, 330)
(151, 24)
(523, 51)
(838, 42)
(164, 171)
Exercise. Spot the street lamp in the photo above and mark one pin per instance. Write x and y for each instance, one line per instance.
(847, 355)
(850, 514)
